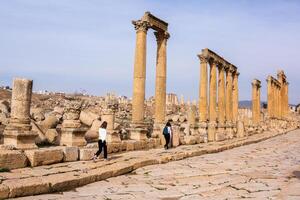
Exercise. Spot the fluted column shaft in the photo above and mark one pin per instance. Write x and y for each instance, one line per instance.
(161, 73)
(213, 92)
(235, 99)
(228, 95)
(269, 96)
(139, 72)
(221, 95)
(203, 90)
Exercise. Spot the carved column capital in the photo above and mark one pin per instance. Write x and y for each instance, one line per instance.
(202, 58)
(140, 25)
(161, 35)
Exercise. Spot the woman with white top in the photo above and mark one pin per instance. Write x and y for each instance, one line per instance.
(102, 141)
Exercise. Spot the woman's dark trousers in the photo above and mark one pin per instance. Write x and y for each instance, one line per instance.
(102, 144)
(167, 138)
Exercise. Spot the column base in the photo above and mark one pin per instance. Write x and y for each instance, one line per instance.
(229, 130)
(220, 132)
(20, 139)
(211, 132)
(138, 131)
(240, 129)
(202, 129)
(73, 137)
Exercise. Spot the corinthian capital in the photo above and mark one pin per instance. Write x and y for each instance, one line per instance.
(140, 25)
(161, 35)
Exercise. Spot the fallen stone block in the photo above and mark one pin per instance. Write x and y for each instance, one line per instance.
(47, 156)
(4, 191)
(114, 147)
(87, 118)
(12, 159)
(70, 153)
(87, 154)
(27, 187)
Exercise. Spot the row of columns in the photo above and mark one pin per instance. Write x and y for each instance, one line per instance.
(278, 96)
(223, 93)
(138, 111)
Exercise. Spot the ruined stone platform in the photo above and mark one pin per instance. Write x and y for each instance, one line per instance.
(65, 176)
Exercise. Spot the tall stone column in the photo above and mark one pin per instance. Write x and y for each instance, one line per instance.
(203, 89)
(221, 95)
(212, 101)
(138, 98)
(235, 99)
(287, 99)
(161, 73)
(18, 132)
(256, 101)
(229, 94)
(220, 133)
(270, 96)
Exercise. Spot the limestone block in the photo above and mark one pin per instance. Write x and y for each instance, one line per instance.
(175, 136)
(130, 145)
(52, 136)
(91, 136)
(70, 153)
(87, 154)
(139, 145)
(4, 191)
(50, 122)
(96, 125)
(113, 137)
(12, 159)
(46, 156)
(87, 118)
(190, 139)
(114, 147)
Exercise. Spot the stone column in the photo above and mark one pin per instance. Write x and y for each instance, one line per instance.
(72, 133)
(270, 96)
(138, 97)
(203, 89)
(212, 101)
(256, 101)
(18, 132)
(229, 95)
(113, 136)
(287, 98)
(235, 98)
(220, 134)
(161, 73)
(229, 125)
(221, 95)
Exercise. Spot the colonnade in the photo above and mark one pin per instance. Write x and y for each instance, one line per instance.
(278, 96)
(221, 109)
(161, 34)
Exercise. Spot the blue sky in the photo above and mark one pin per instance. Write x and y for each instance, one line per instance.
(69, 45)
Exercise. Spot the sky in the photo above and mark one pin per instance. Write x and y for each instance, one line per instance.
(88, 45)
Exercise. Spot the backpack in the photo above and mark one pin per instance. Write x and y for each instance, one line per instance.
(165, 131)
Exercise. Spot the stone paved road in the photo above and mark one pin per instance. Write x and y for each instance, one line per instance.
(265, 170)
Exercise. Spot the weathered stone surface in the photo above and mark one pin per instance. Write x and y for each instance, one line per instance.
(52, 136)
(240, 129)
(190, 139)
(87, 118)
(4, 191)
(91, 136)
(87, 154)
(49, 123)
(12, 159)
(29, 186)
(46, 156)
(96, 125)
(70, 153)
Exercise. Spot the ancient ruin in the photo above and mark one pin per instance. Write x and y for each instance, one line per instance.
(48, 129)
(18, 132)
(220, 115)
(278, 96)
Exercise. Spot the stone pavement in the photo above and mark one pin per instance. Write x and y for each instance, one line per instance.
(237, 173)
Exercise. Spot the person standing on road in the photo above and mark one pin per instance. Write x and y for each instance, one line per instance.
(102, 141)
(167, 132)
